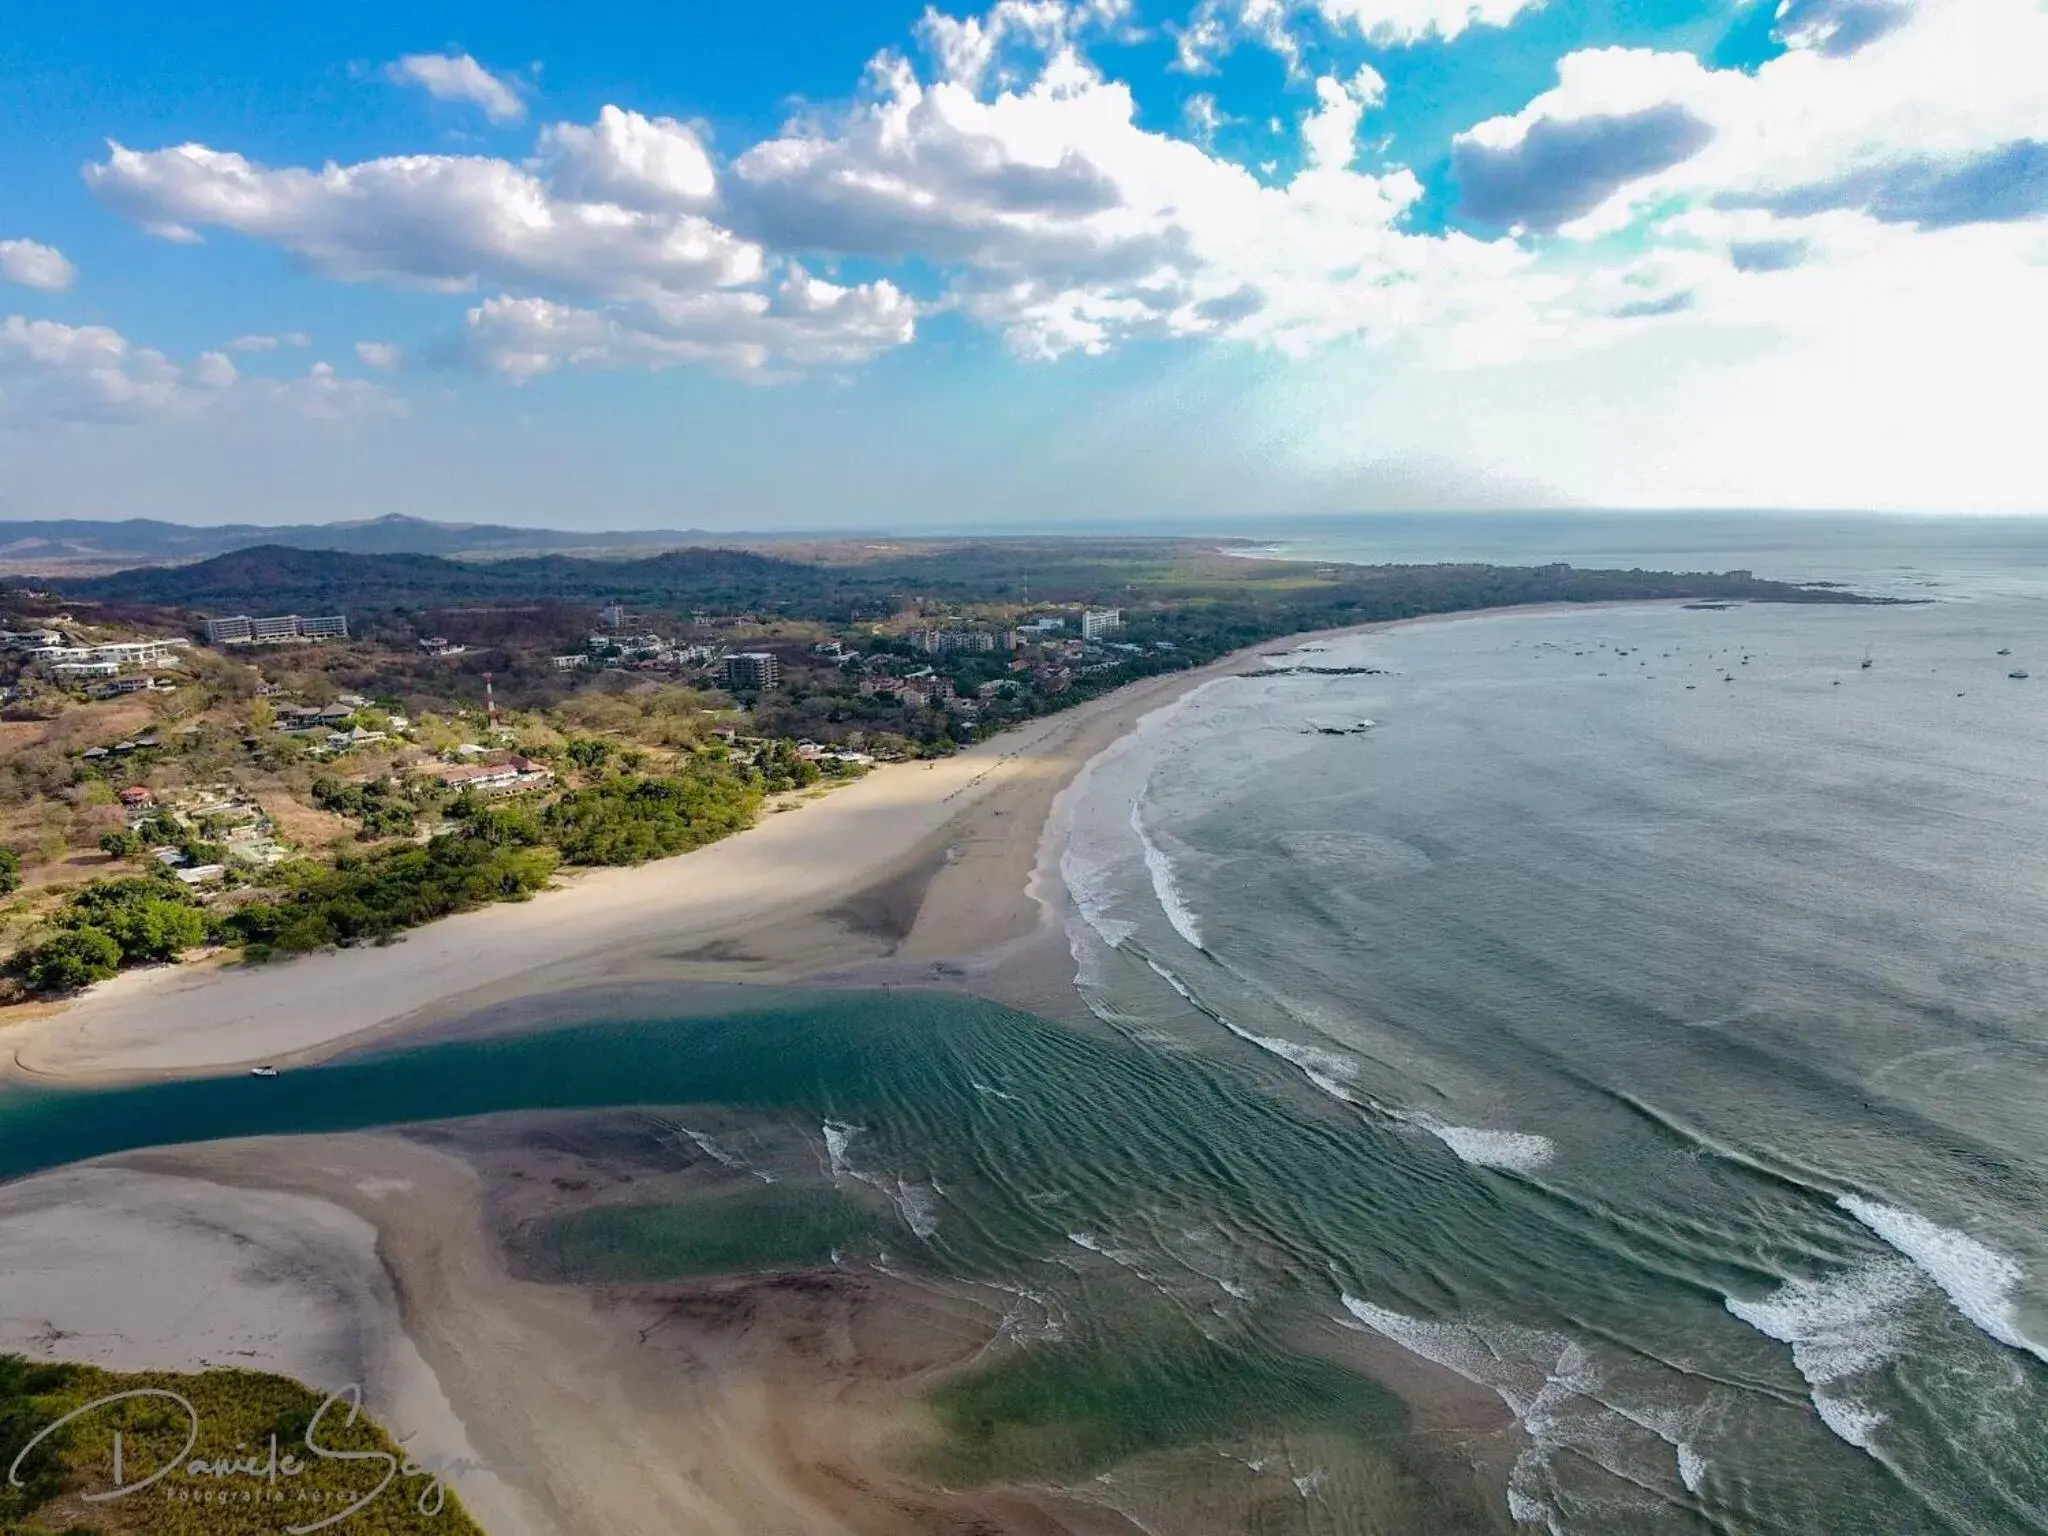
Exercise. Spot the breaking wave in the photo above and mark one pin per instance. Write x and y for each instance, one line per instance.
(1979, 1280)
(1513, 1151)
(1838, 1326)
(1166, 885)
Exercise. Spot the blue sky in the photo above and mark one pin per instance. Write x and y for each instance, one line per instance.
(885, 265)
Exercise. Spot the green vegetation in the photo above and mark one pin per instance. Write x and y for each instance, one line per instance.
(770, 1227)
(1065, 1411)
(629, 819)
(382, 808)
(377, 895)
(67, 960)
(496, 852)
(107, 925)
(123, 844)
(10, 871)
(213, 1491)
(149, 918)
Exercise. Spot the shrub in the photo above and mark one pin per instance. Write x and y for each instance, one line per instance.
(628, 820)
(10, 871)
(67, 960)
(147, 918)
(374, 896)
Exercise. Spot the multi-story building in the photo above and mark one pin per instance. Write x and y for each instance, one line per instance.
(939, 640)
(139, 653)
(1097, 622)
(79, 671)
(241, 629)
(750, 670)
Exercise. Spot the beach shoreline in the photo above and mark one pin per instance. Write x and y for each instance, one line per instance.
(918, 873)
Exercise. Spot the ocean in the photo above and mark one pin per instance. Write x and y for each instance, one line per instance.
(1636, 1012)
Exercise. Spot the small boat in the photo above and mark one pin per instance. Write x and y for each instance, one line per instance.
(2019, 672)
(263, 1071)
(2005, 650)
(1866, 659)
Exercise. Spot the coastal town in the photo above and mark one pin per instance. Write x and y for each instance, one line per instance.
(207, 767)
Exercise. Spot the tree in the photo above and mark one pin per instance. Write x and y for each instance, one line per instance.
(148, 919)
(66, 961)
(122, 844)
(10, 871)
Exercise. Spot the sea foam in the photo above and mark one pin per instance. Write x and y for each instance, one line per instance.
(1979, 1280)
(1546, 1380)
(724, 1156)
(1512, 1151)
(1692, 1467)
(1838, 1326)
(1166, 884)
(917, 1204)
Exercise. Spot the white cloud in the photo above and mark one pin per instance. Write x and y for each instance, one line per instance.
(35, 266)
(380, 355)
(53, 372)
(1073, 228)
(434, 221)
(321, 394)
(804, 323)
(1329, 134)
(1217, 25)
(630, 160)
(965, 50)
(214, 370)
(1910, 123)
(81, 372)
(1390, 22)
(607, 212)
(254, 344)
(1204, 118)
(458, 77)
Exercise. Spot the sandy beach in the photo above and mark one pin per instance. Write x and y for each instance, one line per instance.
(917, 863)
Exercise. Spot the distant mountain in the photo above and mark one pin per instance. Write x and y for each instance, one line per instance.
(34, 546)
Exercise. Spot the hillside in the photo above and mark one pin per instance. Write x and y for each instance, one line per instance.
(272, 579)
